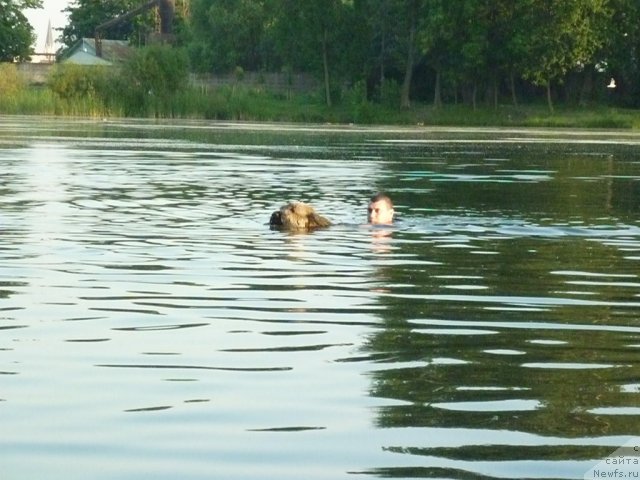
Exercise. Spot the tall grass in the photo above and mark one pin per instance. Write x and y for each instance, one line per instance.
(132, 92)
(42, 101)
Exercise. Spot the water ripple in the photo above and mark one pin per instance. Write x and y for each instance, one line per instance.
(152, 325)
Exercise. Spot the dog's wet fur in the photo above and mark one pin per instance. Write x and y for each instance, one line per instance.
(297, 216)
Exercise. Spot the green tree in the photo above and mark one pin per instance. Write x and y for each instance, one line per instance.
(71, 81)
(152, 78)
(228, 33)
(562, 36)
(472, 47)
(86, 15)
(16, 34)
(410, 19)
(381, 33)
(284, 32)
(392, 33)
(509, 42)
(469, 23)
(482, 32)
(438, 42)
(462, 42)
(619, 55)
(11, 82)
(315, 32)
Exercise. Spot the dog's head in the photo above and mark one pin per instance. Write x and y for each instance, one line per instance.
(297, 216)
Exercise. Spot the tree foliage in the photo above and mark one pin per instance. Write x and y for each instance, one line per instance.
(146, 84)
(619, 53)
(16, 34)
(156, 71)
(86, 15)
(70, 81)
(11, 81)
(562, 36)
(450, 51)
(316, 32)
(227, 33)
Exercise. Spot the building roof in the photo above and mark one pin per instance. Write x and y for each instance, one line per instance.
(82, 57)
(83, 52)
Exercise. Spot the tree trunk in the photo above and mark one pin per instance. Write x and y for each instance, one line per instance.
(383, 46)
(587, 88)
(325, 64)
(512, 83)
(474, 94)
(405, 101)
(437, 94)
(495, 93)
(549, 102)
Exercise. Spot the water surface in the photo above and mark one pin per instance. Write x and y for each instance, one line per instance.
(152, 326)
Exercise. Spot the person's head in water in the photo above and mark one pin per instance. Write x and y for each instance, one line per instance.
(380, 210)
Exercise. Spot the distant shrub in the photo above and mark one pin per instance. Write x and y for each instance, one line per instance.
(152, 78)
(356, 98)
(71, 81)
(147, 84)
(11, 82)
(388, 93)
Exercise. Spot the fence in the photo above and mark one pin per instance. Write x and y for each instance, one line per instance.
(273, 82)
(285, 83)
(34, 73)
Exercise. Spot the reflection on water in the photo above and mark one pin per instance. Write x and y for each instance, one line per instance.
(151, 325)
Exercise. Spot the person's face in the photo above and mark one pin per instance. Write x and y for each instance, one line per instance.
(379, 212)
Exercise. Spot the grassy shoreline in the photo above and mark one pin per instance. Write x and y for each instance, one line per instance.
(231, 104)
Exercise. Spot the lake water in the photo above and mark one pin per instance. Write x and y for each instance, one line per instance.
(153, 326)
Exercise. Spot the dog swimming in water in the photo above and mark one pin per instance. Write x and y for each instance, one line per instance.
(297, 216)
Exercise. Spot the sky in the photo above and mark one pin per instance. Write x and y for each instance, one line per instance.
(39, 18)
